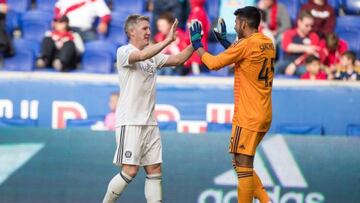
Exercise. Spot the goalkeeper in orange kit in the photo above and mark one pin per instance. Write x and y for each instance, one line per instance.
(253, 55)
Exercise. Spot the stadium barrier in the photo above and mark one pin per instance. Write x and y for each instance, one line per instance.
(185, 104)
(44, 165)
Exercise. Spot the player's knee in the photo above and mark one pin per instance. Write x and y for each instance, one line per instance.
(130, 170)
(153, 169)
(244, 160)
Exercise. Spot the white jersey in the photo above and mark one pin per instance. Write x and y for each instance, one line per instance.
(137, 83)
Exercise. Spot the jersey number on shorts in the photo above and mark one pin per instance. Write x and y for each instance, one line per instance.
(264, 72)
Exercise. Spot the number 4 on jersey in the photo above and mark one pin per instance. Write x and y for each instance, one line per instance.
(264, 72)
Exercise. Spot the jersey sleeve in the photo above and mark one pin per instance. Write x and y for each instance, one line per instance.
(123, 54)
(233, 54)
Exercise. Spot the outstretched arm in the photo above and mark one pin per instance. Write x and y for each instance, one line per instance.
(229, 56)
(180, 58)
(152, 50)
(217, 62)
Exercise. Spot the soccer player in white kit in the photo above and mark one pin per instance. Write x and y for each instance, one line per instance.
(137, 134)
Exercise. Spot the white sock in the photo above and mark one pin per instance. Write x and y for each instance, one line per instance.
(153, 188)
(117, 184)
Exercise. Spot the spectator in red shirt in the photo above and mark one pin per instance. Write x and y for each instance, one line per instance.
(332, 47)
(324, 16)
(163, 24)
(313, 69)
(197, 11)
(297, 43)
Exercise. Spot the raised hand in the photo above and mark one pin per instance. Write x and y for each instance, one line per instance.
(220, 33)
(196, 34)
(171, 36)
(220, 29)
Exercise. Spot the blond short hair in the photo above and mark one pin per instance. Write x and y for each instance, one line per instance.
(132, 20)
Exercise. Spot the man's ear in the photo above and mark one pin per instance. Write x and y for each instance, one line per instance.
(243, 24)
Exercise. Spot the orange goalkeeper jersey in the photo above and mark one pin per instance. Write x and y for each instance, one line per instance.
(254, 70)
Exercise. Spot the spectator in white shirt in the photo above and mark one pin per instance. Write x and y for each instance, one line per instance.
(82, 15)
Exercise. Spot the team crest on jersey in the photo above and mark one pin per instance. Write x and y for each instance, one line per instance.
(128, 154)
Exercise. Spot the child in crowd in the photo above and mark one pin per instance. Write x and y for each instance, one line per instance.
(109, 121)
(346, 70)
(313, 69)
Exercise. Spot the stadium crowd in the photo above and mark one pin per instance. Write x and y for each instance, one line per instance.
(315, 39)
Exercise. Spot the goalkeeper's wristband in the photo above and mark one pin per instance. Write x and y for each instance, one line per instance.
(222, 39)
(196, 41)
(225, 43)
(196, 45)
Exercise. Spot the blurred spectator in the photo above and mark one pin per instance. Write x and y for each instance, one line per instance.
(313, 69)
(163, 24)
(162, 6)
(264, 28)
(6, 46)
(82, 15)
(109, 121)
(332, 47)
(277, 16)
(197, 11)
(324, 16)
(297, 43)
(60, 47)
(346, 69)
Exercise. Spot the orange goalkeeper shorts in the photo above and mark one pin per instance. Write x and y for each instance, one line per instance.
(244, 141)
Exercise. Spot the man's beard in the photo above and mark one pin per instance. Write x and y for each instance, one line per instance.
(240, 34)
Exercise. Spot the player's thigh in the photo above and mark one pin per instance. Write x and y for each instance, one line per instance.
(129, 145)
(152, 147)
(244, 141)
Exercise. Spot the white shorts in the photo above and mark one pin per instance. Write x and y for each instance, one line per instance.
(138, 145)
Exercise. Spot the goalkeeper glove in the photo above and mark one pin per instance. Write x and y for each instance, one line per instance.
(220, 33)
(195, 34)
